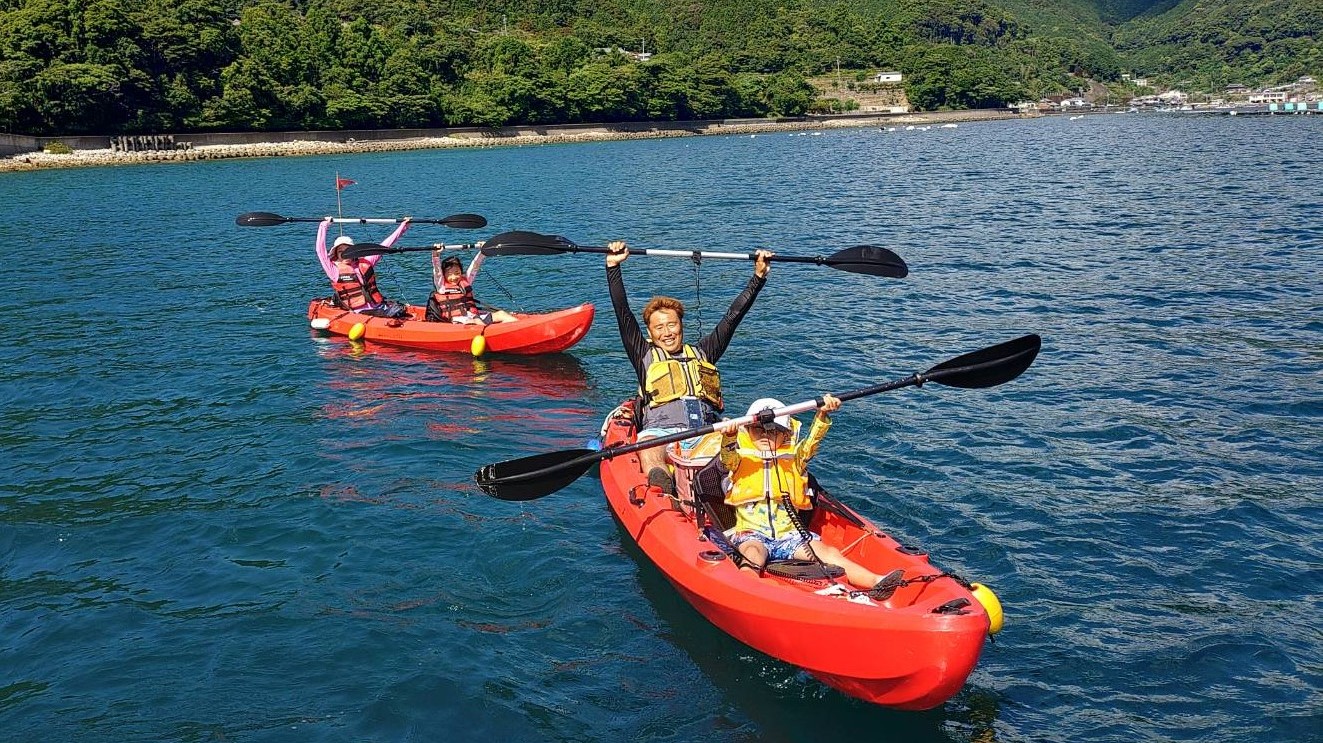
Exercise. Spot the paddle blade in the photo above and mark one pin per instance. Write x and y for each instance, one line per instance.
(259, 219)
(519, 242)
(870, 260)
(464, 221)
(987, 368)
(363, 250)
(533, 477)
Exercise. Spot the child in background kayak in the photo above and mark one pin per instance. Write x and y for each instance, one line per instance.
(768, 465)
(453, 300)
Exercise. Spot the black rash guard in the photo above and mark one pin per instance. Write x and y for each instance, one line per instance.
(711, 347)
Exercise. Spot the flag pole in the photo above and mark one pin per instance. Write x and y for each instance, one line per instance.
(339, 212)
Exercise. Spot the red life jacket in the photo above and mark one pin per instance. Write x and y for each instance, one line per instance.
(454, 300)
(356, 289)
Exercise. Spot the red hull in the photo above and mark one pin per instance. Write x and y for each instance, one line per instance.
(541, 333)
(897, 653)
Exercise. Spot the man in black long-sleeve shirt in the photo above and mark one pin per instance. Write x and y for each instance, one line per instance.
(680, 384)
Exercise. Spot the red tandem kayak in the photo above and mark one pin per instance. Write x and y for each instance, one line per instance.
(548, 332)
(911, 651)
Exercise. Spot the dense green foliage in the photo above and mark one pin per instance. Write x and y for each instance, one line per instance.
(127, 66)
(1213, 43)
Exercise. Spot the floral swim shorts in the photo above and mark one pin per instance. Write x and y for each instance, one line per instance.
(783, 548)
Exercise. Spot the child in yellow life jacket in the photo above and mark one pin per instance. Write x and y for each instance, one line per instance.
(768, 465)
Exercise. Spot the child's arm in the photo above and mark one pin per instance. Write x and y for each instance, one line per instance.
(327, 265)
(821, 423)
(730, 455)
(438, 276)
(389, 241)
(474, 265)
(809, 446)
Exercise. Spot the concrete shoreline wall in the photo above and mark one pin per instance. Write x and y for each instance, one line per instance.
(18, 144)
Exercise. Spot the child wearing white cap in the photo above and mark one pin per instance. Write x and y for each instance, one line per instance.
(768, 465)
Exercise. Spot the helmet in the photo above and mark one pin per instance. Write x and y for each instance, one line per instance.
(768, 403)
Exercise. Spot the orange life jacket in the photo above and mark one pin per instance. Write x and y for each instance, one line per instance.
(356, 289)
(454, 299)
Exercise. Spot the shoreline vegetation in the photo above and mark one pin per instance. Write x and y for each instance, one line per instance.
(514, 137)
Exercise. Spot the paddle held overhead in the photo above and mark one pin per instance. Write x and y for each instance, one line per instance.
(865, 259)
(363, 250)
(540, 475)
(268, 219)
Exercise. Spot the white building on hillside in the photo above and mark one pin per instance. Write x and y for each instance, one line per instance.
(1268, 96)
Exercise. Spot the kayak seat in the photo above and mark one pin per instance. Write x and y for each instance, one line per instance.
(709, 487)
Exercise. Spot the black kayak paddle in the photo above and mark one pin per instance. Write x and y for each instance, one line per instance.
(865, 259)
(363, 250)
(533, 477)
(268, 219)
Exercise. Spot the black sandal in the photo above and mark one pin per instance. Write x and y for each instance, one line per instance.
(882, 590)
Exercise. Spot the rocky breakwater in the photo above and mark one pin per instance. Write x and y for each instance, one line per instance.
(103, 157)
(510, 137)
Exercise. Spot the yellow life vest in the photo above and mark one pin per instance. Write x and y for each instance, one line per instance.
(670, 378)
(772, 475)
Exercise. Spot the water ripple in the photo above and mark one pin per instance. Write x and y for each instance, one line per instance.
(218, 525)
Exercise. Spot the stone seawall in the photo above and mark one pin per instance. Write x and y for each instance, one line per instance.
(509, 137)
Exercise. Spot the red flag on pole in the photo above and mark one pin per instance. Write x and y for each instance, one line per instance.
(342, 182)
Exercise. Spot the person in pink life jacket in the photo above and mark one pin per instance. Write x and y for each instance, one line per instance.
(355, 280)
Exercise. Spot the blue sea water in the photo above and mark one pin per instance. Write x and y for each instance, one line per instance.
(217, 525)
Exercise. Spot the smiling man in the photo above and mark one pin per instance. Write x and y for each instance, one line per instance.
(678, 383)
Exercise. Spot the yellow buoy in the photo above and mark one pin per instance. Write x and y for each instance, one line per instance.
(991, 605)
(479, 345)
(356, 332)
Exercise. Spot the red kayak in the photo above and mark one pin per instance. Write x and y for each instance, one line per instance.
(548, 332)
(911, 651)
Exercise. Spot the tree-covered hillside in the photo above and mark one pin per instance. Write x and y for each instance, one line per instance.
(1212, 43)
(129, 66)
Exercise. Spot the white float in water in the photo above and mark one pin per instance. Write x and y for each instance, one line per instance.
(320, 323)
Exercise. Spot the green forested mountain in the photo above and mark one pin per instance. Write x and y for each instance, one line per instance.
(1212, 43)
(129, 66)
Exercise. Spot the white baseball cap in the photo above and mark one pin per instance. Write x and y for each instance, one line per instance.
(768, 403)
(342, 240)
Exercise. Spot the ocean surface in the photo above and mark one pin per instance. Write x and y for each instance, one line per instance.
(217, 525)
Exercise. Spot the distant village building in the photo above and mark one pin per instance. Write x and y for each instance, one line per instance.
(1268, 96)
(887, 77)
(1063, 103)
